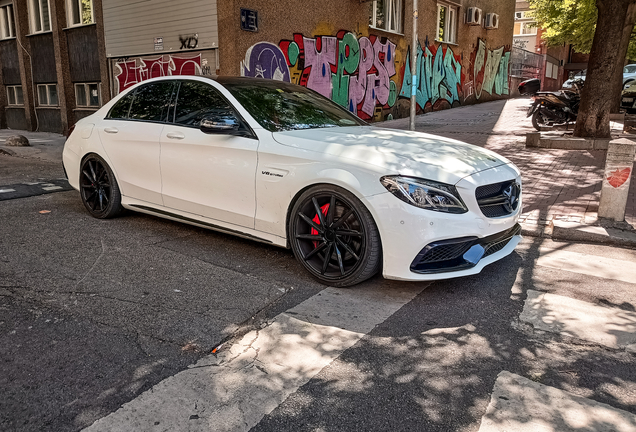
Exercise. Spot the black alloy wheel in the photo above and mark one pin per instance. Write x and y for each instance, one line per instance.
(334, 236)
(99, 189)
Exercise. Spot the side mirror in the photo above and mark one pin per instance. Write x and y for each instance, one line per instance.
(220, 123)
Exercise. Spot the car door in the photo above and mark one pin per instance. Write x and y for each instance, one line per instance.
(131, 135)
(210, 175)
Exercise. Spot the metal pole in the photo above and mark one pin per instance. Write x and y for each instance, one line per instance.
(413, 68)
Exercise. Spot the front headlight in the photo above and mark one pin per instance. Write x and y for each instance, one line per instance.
(426, 194)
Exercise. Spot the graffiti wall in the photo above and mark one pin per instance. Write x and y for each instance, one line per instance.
(128, 71)
(359, 73)
(490, 70)
(439, 77)
(366, 74)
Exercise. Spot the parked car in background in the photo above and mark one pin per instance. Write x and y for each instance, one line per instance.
(629, 74)
(282, 164)
(569, 84)
(628, 97)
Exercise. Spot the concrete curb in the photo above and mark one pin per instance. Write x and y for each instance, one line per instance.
(576, 232)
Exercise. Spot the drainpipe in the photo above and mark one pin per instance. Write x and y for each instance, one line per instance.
(413, 67)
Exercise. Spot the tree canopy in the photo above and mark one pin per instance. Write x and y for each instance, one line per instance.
(572, 22)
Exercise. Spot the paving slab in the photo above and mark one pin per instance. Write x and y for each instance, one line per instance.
(608, 326)
(518, 404)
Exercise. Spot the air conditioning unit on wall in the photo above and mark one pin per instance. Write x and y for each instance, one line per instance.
(491, 21)
(473, 16)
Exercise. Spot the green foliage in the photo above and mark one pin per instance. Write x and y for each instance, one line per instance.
(572, 22)
(87, 13)
(567, 21)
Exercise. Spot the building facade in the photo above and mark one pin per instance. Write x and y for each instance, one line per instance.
(552, 65)
(358, 53)
(64, 58)
(53, 66)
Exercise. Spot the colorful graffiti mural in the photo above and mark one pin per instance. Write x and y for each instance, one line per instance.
(490, 70)
(354, 72)
(439, 76)
(128, 72)
(359, 72)
(441, 79)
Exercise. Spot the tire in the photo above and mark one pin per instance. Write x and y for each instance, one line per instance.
(99, 189)
(346, 252)
(538, 120)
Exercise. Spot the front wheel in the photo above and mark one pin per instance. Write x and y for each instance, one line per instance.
(538, 120)
(99, 189)
(334, 236)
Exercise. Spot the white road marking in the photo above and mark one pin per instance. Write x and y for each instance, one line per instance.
(6, 190)
(232, 392)
(592, 265)
(611, 327)
(521, 405)
(51, 188)
(31, 184)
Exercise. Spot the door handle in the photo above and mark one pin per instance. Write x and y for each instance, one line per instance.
(175, 135)
(111, 130)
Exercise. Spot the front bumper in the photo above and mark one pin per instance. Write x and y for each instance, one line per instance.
(406, 230)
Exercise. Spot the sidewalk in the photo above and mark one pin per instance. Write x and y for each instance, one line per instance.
(561, 187)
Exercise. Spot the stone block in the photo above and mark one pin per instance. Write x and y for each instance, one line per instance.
(532, 139)
(17, 141)
(616, 179)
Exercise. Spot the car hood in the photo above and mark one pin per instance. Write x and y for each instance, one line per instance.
(394, 151)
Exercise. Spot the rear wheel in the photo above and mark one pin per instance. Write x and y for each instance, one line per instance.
(334, 236)
(99, 189)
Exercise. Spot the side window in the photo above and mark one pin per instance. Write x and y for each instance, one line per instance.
(151, 101)
(196, 100)
(121, 109)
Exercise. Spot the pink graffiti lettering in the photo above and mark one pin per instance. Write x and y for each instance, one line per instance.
(354, 72)
(320, 61)
(127, 73)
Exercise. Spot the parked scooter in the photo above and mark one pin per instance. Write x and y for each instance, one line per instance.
(552, 108)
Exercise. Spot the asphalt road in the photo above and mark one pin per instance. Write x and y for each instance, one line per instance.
(93, 313)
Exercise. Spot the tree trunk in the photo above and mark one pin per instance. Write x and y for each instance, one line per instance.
(597, 94)
(617, 80)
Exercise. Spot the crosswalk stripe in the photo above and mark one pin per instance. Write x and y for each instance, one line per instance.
(611, 327)
(232, 392)
(521, 405)
(592, 265)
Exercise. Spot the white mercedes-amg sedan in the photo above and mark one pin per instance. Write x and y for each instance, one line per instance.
(281, 164)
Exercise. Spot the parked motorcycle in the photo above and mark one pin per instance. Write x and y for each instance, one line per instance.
(552, 108)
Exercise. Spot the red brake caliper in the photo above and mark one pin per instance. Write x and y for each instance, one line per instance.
(324, 209)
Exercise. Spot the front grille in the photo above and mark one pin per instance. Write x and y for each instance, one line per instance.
(498, 199)
(449, 255)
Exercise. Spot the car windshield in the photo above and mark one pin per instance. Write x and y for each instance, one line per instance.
(280, 106)
(629, 69)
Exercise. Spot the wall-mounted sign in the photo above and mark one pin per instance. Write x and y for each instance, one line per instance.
(158, 43)
(249, 20)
